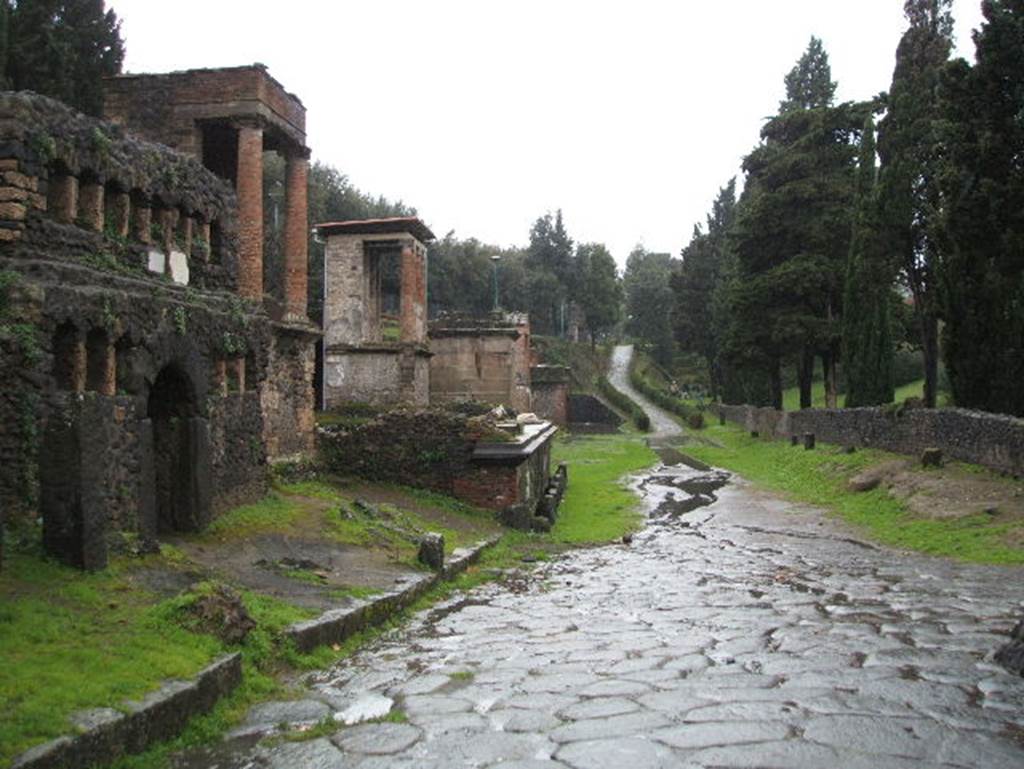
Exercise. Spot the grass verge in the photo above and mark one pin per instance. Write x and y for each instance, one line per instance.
(819, 478)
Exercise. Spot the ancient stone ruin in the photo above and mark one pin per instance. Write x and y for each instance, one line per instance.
(150, 383)
(485, 359)
(375, 312)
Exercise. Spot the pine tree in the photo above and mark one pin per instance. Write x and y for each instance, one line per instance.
(64, 49)
(910, 154)
(982, 269)
(867, 340)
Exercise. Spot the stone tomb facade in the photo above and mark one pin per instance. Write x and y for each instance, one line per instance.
(138, 400)
(481, 358)
(375, 312)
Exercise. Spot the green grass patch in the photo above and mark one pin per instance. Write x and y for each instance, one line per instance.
(819, 478)
(272, 513)
(791, 396)
(71, 641)
(597, 506)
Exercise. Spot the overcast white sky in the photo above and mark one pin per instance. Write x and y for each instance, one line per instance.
(627, 115)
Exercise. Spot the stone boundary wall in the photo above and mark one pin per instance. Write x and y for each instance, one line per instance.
(107, 734)
(994, 441)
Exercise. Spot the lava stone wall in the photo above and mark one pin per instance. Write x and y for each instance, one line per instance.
(991, 440)
(425, 448)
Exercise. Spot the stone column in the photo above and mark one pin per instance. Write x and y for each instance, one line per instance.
(412, 321)
(249, 187)
(296, 225)
(63, 198)
(90, 206)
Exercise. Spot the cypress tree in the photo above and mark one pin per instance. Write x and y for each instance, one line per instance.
(867, 339)
(982, 272)
(911, 158)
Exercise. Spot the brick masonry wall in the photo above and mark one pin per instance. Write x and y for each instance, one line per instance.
(164, 107)
(286, 397)
(991, 440)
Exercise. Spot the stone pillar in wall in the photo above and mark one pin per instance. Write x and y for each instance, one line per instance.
(249, 188)
(90, 206)
(296, 226)
(143, 216)
(63, 198)
(413, 320)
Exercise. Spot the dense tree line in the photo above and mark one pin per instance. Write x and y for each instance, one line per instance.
(558, 282)
(825, 247)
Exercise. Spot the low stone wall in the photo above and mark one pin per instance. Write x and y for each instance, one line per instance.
(106, 734)
(337, 625)
(991, 440)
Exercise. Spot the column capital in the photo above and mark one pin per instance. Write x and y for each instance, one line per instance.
(294, 152)
(252, 122)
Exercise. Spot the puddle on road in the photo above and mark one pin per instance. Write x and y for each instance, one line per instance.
(678, 486)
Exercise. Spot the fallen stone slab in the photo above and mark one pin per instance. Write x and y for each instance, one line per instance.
(107, 734)
(336, 625)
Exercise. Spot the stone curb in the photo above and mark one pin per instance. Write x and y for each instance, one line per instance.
(107, 734)
(336, 625)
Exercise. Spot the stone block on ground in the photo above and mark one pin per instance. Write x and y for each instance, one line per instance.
(431, 551)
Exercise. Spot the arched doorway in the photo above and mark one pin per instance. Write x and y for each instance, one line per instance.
(181, 454)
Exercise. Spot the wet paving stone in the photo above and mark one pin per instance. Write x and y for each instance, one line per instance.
(741, 632)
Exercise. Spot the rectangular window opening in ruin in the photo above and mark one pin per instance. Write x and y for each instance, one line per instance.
(384, 288)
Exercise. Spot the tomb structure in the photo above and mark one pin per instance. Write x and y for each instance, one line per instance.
(375, 312)
(147, 383)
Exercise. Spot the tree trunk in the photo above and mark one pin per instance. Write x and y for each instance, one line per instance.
(828, 367)
(930, 352)
(775, 378)
(805, 375)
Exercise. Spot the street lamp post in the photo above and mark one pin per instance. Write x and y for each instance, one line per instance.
(494, 260)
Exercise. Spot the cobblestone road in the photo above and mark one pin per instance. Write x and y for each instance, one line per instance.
(743, 632)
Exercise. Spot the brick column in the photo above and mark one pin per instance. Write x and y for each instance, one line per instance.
(296, 225)
(412, 319)
(249, 187)
(90, 206)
